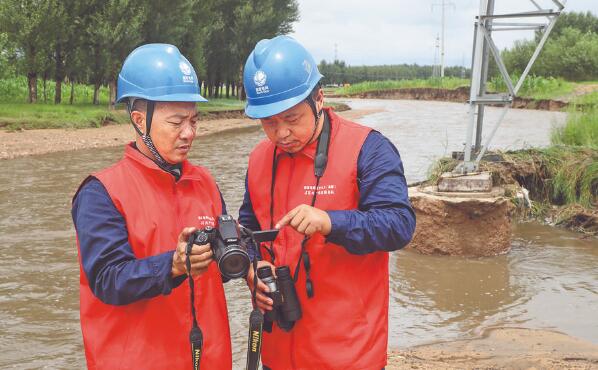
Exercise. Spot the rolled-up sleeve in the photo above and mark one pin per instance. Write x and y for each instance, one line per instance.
(384, 220)
(115, 275)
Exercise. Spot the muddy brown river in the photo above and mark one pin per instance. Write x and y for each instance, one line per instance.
(548, 280)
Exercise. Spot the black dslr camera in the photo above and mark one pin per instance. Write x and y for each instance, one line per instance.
(286, 308)
(228, 247)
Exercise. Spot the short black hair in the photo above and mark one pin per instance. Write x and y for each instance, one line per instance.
(139, 105)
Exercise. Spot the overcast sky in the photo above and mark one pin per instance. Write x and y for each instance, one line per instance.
(376, 32)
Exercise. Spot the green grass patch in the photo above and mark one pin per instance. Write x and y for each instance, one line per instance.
(590, 99)
(568, 174)
(581, 129)
(217, 105)
(437, 83)
(15, 116)
(536, 87)
(15, 90)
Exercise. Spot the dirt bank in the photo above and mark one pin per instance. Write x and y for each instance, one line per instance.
(32, 142)
(539, 171)
(460, 225)
(459, 95)
(501, 348)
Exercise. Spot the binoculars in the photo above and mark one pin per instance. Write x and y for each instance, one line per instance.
(286, 308)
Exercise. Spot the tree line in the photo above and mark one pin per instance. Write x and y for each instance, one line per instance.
(339, 73)
(86, 41)
(571, 51)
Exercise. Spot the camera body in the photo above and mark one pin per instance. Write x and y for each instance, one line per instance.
(230, 252)
(286, 307)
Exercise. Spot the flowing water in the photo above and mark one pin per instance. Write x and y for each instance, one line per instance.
(548, 280)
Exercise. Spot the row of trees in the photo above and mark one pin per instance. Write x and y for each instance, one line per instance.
(571, 51)
(86, 41)
(338, 72)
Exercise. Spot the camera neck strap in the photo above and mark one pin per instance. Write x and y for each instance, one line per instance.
(256, 323)
(195, 335)
(320, 163)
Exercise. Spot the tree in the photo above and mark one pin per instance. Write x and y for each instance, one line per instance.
(25, 23)
(113, 30)
(256, 20)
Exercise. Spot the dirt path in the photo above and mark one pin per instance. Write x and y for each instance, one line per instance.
(33, 142)
(579, 91)
(501, 348)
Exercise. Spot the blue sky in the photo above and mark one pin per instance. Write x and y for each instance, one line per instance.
(401, 31)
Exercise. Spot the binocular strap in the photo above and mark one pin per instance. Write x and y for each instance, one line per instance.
(195, 336)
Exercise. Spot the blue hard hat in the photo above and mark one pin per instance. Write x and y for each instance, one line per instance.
(158, 72)
(279, 74)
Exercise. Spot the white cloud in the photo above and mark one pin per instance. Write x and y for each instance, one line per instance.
(401, 31)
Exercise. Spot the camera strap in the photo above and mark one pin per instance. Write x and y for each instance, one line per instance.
(320, 162)
(195, 336)
(256, 323)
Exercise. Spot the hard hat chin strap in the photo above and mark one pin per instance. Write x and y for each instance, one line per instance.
(317, 114)
(147, 140)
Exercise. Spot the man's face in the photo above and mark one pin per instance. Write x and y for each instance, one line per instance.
(290, 130)
(173, 129)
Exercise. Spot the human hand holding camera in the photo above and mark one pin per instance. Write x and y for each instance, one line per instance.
(264, 303)
(201, 255)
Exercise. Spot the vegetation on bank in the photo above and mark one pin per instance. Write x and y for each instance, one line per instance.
(534, 87)
(435, 83)
(562, 179)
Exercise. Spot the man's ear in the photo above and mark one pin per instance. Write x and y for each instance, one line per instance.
(319, 99)
(138, 119)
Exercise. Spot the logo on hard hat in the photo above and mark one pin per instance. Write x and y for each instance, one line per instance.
(307, 66)
(259, 78)
(185, 68)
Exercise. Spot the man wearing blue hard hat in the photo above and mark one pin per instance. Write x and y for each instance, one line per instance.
(337, 192)
(133, 220)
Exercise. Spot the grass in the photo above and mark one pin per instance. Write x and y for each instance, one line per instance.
(14, 90)
(16, 113)
(363, 87)
(581, 129)
(566, 175)
(15, 116)
(536, 87)
(590, 99)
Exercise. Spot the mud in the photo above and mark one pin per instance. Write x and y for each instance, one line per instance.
(501, 348)
(461, 226)
(458, 95)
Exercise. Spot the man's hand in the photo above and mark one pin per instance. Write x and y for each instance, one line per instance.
(201, 255)
(307, 220)
(263, 302)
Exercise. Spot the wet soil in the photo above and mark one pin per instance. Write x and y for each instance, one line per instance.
(501, 348)
(461, 226)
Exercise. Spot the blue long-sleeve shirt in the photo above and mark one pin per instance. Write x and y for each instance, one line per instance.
(384, 220)
(115, 275)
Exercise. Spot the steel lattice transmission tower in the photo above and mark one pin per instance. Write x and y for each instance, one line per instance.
(483, 46)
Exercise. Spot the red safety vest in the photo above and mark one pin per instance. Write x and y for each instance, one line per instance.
(154, 333)
(345, 324)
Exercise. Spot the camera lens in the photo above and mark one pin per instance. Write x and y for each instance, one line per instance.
(234, 263)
